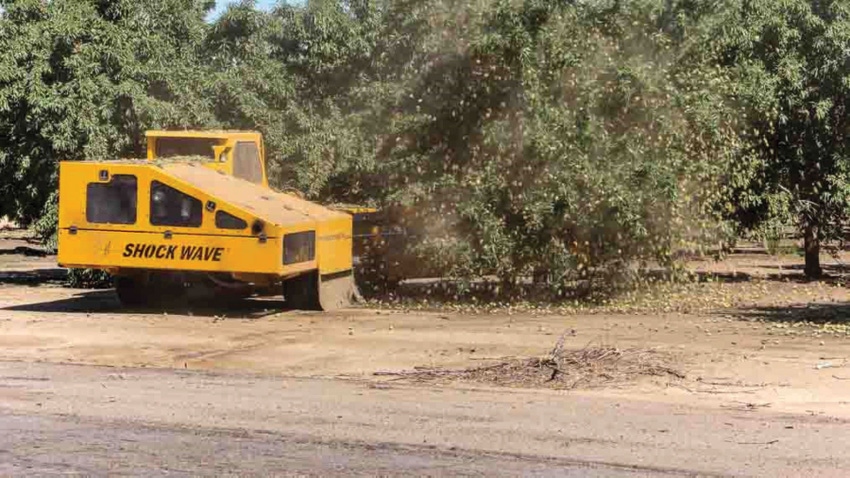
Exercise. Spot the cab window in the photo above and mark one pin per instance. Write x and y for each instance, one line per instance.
(112, 202)
(170, 207)
(224, 220)
(299, 247)
(171, 147)
(246, 162)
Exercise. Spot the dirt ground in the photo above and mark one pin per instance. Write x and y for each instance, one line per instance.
(759, 356)
(756, 339)
(757, 333)
(22, 259)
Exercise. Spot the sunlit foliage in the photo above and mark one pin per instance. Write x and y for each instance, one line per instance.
(565, 142)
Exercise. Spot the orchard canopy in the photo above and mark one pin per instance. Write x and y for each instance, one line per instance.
(525, 138)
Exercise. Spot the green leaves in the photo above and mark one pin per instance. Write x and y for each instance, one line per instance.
(554, 140)
(565, 141)
(788, 59)
(84, 80)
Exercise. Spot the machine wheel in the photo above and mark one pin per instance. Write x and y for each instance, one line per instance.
(226, 290)
(302, 292)
(133, 291)
(149, 289)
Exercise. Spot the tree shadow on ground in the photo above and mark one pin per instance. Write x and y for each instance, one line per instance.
(440, 290)
(829, 269)
(450, 291)
(818, 313)
(832, 275)
(24, 251)
(34, 276)
(704, 276)
(106, 302)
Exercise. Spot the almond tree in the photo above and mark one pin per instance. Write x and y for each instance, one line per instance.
(83, 79)
(792, 67)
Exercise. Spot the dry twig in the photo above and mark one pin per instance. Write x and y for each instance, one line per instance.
(590, 366)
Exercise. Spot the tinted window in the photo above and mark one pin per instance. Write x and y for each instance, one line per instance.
(224, 220)
(113, 202)
(170, 147)
(246, 162)
(299, 247)
(170, 207)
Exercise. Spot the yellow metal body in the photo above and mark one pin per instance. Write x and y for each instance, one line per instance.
(256, 253)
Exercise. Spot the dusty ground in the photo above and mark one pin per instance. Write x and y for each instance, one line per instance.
(731, 356)
(764, 393)
(22, 260)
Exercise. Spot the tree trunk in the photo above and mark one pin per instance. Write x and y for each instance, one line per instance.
(540, 275)
(811, 244)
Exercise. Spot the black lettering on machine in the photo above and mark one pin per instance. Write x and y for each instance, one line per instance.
(173, 253)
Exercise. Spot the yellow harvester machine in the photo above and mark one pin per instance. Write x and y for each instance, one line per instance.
(199, 209)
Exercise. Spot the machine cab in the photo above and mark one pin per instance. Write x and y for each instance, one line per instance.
(236, 153)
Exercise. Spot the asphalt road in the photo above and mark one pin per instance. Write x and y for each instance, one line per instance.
(84, 420)
(90, 447)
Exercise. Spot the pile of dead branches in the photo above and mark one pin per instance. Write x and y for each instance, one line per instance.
(599, 365)
(590, 367)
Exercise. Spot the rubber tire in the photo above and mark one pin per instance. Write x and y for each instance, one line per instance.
(132, 291)
(302, 292)
(150, 289)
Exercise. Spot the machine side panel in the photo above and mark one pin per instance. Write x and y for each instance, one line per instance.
(72, 204)
(186, 252)
(334, 245)
(137, 243)
(151, 217)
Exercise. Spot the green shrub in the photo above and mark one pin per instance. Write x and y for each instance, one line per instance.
(46, 227)
(89, 279)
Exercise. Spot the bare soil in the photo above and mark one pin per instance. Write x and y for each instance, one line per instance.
(783, 343)
(22, 259)
(753, 338)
